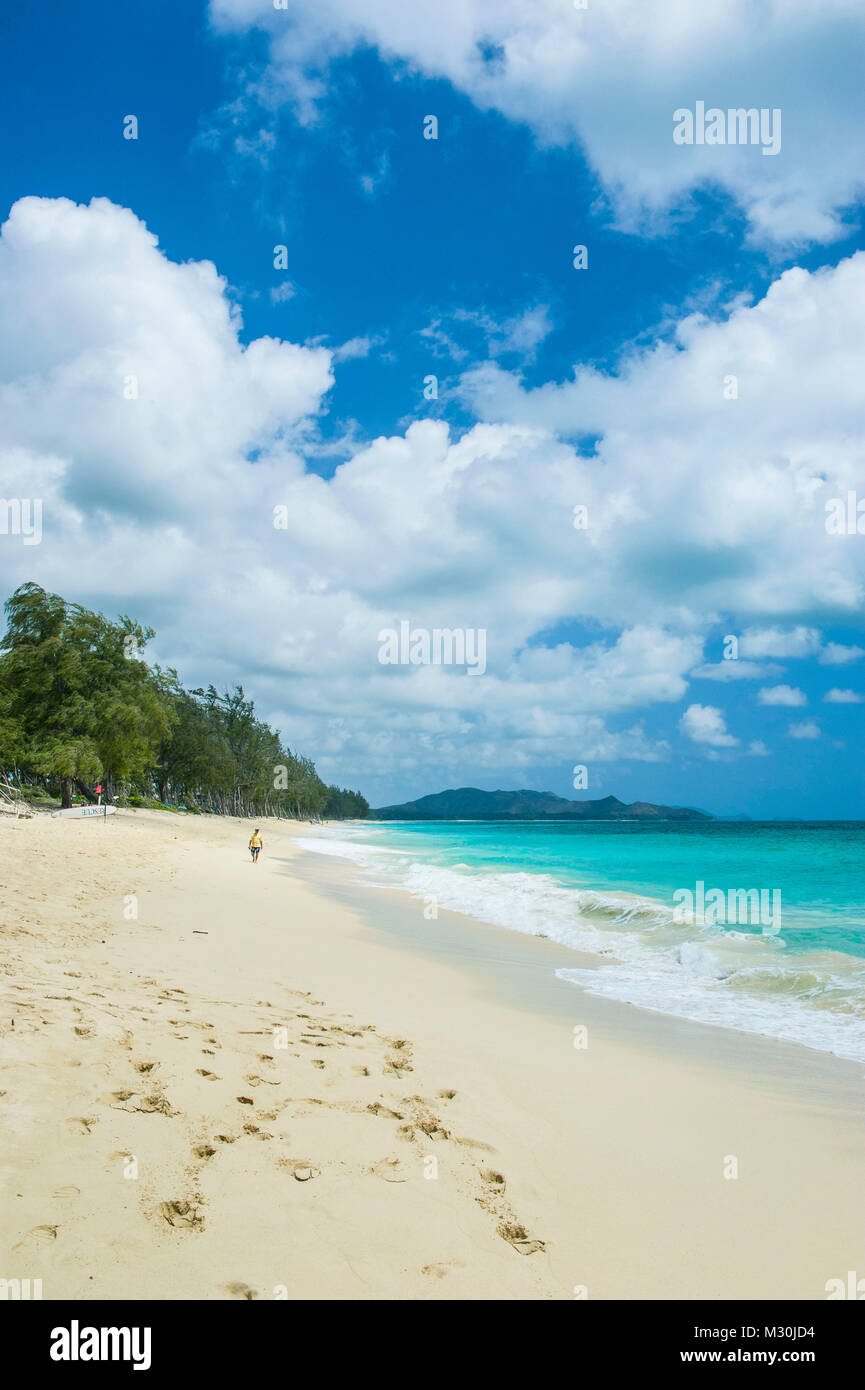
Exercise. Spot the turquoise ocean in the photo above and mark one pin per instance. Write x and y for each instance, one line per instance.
(790, 965)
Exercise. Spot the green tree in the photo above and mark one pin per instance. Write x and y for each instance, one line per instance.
(76, 702)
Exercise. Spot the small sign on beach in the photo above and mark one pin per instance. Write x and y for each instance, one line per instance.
(76, 812)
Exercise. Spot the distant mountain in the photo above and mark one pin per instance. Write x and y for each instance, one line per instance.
(469, 803)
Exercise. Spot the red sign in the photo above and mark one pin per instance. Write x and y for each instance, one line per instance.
(99, 790)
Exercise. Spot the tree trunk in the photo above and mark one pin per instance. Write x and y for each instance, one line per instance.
(65, 792)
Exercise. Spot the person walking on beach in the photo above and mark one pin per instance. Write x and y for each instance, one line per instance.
(255, 845)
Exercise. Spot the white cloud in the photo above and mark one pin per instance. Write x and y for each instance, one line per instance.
(807, 729)
(758, 749)
(705, 724)
(835, 654)
(781, 695)
(736, 671)
(774, 641)
(521, 334)
(608, 80)
(745, 533)
(163, 506)
(843, 697)
(356, 347)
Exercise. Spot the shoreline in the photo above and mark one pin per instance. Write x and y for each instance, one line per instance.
(633, 969)
(306, 1170)
(532, 984)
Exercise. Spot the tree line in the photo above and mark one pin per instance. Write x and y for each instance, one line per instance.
(79, 707)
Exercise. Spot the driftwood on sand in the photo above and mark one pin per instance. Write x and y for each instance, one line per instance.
(12, 802)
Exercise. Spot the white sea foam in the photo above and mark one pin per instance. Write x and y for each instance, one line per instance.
(733, 979)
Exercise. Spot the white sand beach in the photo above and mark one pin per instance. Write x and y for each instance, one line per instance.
(221, 1081)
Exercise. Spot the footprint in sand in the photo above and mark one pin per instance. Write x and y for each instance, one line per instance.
(424, 1120)
(39, 1235)
(208, 1075)
(66, 1194)
(145, 1067)
(82, 1124)
(256, 1132)
(155, 1105)
(300, 1168)
(493, 1179)
(438, 1271)
(204, 1151)
(517, 1236)
(238, 1290)
(383, 1112)
(183, 1215)
(390, 1169)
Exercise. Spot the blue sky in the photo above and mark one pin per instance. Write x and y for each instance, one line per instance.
(408, 257)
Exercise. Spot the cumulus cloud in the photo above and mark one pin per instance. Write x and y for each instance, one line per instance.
(721, 501)
(774, 641)
(843, 697)
(706, 724)
(807, 729)
(781, 695)
(165, 449)
(836, 654)
(608, 79)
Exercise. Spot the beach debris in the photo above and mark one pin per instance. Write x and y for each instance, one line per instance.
(12, 801)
